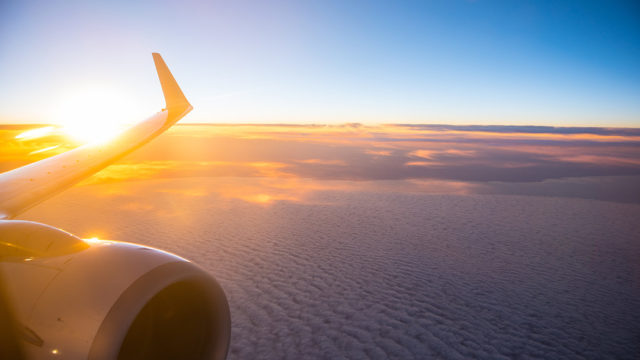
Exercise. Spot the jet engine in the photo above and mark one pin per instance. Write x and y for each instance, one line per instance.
(97, 299)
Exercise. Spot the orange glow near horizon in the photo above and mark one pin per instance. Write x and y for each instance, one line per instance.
(264, 164)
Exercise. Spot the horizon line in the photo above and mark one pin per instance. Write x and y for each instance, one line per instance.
(18, 125)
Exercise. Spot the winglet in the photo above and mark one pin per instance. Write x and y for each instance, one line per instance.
(173, 96)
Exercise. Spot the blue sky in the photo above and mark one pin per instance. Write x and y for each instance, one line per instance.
(471, 62)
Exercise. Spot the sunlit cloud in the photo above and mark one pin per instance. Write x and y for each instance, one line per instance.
(169, 169)
(378, 152)
(419, 163)
(288, 163)
(440, 153)
(425, 154)
(44, 150)
(35, 133)
(324, 162)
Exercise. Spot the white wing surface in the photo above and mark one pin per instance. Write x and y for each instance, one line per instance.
(26, 186)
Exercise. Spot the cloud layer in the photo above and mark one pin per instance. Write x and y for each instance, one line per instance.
(530, 160)
(364, 274)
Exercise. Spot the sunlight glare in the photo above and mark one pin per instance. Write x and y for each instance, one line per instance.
(92, 240)
(94, 113)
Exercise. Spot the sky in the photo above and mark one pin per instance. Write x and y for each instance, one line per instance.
(566, 63)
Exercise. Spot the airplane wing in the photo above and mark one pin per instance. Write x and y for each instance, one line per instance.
(98, 299)
(27, 186)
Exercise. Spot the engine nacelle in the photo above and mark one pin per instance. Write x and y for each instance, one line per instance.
(83, 299)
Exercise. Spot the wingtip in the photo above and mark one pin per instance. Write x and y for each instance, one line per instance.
(173, 96)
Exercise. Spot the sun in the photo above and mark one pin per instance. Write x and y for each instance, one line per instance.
(94, 113)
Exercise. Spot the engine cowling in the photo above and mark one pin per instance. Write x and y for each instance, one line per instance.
(96, 299)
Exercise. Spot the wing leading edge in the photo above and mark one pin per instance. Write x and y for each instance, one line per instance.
(27, 186)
